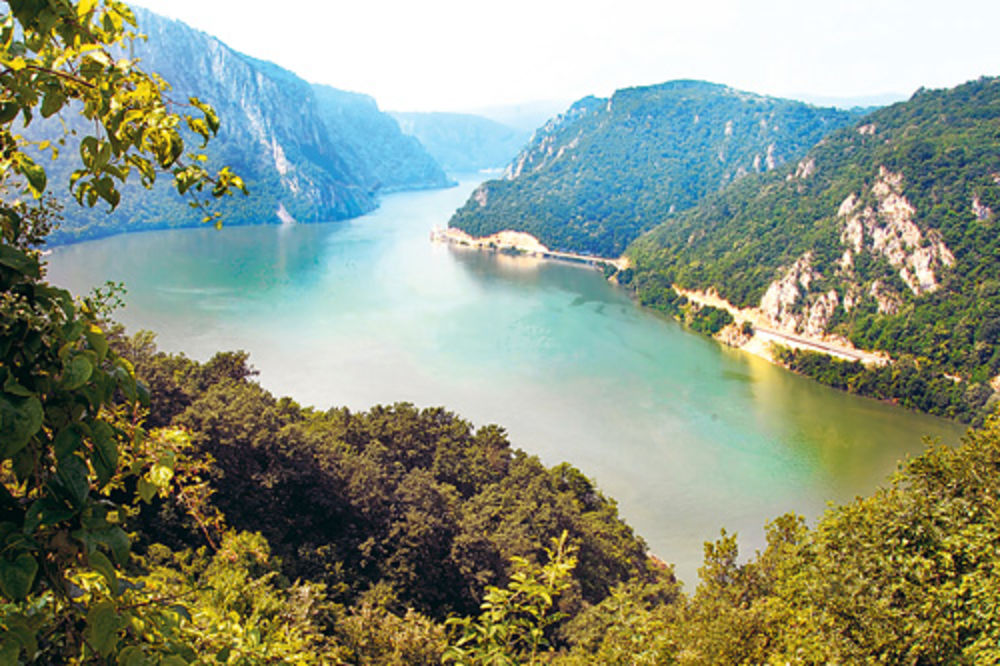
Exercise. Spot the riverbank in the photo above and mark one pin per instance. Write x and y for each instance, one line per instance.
(766, 333)
(519, 242)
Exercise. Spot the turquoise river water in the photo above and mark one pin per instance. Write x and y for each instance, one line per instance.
(687, 435)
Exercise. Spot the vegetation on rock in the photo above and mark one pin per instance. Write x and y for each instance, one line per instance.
(596, 177)
(883, 234)
(156, 510)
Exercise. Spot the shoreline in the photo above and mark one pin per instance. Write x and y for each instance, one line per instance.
(521, 243)
(759, 343)
(766, 333)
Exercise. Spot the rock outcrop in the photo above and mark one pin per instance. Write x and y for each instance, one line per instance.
(313, 153)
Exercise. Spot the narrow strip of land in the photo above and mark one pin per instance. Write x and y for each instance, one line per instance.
(766, 333)
(521, 242)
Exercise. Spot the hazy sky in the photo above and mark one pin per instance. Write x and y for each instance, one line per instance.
(463, 54)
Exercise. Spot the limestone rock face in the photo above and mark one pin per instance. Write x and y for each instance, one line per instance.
(887, 228)
(309, 153)
(883, 233)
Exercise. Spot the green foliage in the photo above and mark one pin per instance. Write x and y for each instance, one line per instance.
(908, 575)
(72, 450)
(908, 383)
(512, 626)
(355, 500)
(595, 178)
(117, 544)
(372, 634)
(635, 624)
(65, 424)
(944, 145)
(63, 55)
(238, 608)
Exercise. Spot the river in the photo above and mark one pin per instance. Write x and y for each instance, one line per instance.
(687, 435)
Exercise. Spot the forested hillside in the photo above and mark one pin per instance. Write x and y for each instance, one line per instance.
(596, 177)
(156, 510)
(414, 500)
(884, 234)
(427, 511)
(308, 153)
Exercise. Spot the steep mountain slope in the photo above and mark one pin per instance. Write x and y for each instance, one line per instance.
(374, 145)
(885, 233)
(307, 153)
(462, 142)
(596, 177)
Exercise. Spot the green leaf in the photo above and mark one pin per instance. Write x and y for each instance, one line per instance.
(117, 540)
(182, 611)
(143, 394)
(71, 473)
(132, 656)
(100, 563)
(8, 112)
(77, 373)
(35, 175)
(11, 387)
(22, 632)
(20, 635)
(67, 441)
(19, 261)
(147, 490)
(105, 188)
(9, 649)
(17, 576)
(45, 511)
(97, 341)
(20, 419)
(105, 458)
(88, 151)
(24, 464)
(53, 101)
(102, 628)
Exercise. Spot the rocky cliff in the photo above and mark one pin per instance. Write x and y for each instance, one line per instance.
(884, 233)
(308, 153)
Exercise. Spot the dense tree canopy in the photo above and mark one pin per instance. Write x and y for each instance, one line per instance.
(73, 451)
(917, 176)
(156, 510)
(596, 177)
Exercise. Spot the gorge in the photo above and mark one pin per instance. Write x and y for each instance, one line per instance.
(688, 436)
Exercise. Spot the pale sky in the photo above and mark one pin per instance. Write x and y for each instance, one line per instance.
(449, 55)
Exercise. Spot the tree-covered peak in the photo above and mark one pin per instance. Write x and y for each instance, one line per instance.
(594, 178)
(882, 234)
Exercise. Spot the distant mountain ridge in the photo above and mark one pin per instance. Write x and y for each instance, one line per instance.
(884, 233)
(463, 142)
(594, 178)
(308, 153)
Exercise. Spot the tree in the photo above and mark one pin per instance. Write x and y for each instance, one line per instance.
(512, 627)
(72, 453)
(65, 56)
